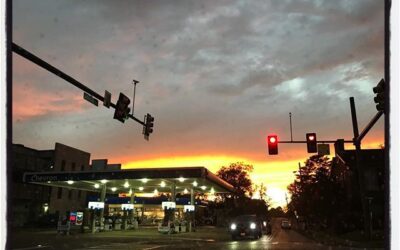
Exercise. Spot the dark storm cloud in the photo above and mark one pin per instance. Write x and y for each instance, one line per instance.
(207, 69)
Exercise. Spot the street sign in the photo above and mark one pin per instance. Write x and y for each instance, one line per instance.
(107, 99)
(90, 99)
(323, 149)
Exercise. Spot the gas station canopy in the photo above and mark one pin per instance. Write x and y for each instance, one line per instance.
(144, 180)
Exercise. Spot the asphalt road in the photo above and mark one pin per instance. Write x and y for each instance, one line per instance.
(204, 238)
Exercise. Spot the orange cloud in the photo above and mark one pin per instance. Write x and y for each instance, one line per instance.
(29, 102)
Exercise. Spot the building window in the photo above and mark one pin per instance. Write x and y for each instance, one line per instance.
(59, 193)
(70, 194)
(63, 165)
(73, 166)
(82, 167)
(79, 194)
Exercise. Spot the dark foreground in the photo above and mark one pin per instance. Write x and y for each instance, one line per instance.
(148, 239)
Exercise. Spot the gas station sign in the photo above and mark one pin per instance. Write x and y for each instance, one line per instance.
(96, 205)
(168, 205)
(72, 217)
(188, 208)
(127, 206)
(79, 218)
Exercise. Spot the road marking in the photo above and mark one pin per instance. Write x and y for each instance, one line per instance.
(149, 248)
(35, 247)
(197, 239)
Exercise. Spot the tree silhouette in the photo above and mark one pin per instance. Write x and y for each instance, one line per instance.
(237, 174)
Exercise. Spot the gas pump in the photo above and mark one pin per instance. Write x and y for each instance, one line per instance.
(94, 207)
(126, 208)
(189, 215)
(167, 226)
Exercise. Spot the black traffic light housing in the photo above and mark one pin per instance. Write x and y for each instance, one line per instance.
(379, 99)
(311, 139)
(122, 110)
(272, 141)
(148, 127)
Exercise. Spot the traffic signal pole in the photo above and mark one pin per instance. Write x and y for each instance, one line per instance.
(31, 57)
(360, 173)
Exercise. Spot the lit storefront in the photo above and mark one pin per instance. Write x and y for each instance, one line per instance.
(145, 189)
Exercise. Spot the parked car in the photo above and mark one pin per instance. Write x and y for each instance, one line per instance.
(245, 226)
(285, 224)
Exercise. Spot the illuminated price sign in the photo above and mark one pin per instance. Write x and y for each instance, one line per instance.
(188, 208)
(127, 206)
(168, 205)
(96, 205)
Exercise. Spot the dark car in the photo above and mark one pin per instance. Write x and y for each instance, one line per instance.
(246, 226)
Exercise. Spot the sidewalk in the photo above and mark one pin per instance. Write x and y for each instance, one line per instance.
(350, 240)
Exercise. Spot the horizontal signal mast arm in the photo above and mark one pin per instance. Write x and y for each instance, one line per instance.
(326, 141)
(31, 57)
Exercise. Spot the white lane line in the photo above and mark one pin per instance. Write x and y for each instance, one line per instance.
(196, 239)
(35, 247)
(155, 247)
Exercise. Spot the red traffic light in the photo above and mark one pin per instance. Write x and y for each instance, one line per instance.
(272, 144)
(311, 142)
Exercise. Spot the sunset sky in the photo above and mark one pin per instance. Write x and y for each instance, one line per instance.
(218, 76)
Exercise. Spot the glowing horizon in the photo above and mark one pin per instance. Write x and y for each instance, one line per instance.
(275, 175)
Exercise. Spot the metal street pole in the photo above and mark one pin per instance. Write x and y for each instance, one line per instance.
(134, 93)
(291, 131)
(31, 57)
(360, 172)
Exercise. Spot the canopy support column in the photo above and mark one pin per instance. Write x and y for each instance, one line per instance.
(102, 199)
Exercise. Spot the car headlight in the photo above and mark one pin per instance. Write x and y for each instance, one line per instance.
(253, 225)
(233, 226)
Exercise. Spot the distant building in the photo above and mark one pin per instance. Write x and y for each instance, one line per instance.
(102, 165)
(28, 202)
(68, 159)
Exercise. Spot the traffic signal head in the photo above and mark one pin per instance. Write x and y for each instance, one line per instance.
(311, 142)
(148, 127)
(379, 99)
(122, 110)
(272, 141)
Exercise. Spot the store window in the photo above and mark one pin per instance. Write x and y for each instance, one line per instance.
(73, 166)
(63, 165)
(59, 193)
